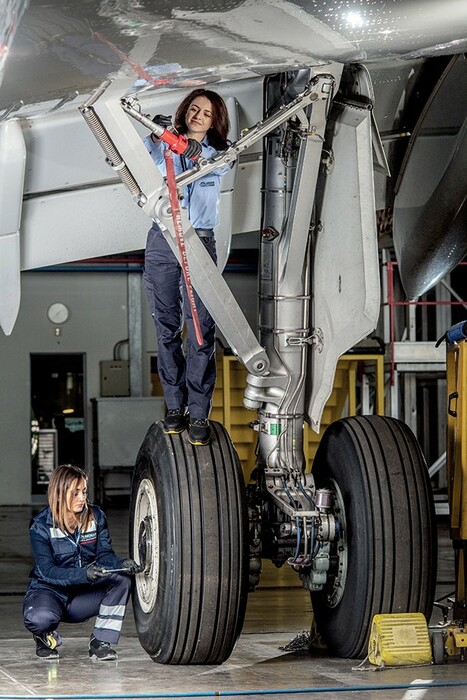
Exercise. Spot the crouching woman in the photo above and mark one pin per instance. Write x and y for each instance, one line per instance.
(70, 580)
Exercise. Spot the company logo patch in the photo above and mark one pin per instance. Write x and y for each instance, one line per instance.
(88, 537)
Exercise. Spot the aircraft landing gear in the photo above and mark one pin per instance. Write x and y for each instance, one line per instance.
(188, 526)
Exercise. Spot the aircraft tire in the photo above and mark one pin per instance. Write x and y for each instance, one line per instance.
(437, 646)
(388, 551)
(188, 525)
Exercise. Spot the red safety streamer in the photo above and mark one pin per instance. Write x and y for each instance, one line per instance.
(177, 219)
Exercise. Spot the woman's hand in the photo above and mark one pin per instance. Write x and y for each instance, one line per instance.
(132, 567)
(163, 120)
(193, 149)
(94, 572)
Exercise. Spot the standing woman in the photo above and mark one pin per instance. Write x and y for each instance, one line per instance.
(187, 379)
(72, 550)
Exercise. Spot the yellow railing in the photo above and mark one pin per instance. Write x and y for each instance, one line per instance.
(456, 463)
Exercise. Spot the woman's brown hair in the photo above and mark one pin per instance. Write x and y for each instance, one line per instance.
(217, 134)
(63, 481)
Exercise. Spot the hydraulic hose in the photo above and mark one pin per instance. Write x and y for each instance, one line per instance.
(235, 693)
(455, 334)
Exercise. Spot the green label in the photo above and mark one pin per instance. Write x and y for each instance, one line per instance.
(274, 428)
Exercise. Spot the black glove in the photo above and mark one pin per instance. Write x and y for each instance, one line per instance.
(193, 149)
(132, 567)
(163, 121)
(94, 572)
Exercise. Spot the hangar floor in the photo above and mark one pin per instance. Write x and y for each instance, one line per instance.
(278, 612)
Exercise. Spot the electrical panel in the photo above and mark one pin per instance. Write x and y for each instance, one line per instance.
(115, 378)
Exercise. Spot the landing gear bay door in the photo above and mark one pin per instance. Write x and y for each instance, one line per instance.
(345, 277)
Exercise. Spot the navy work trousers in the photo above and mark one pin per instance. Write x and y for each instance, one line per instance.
(187, 378)
(44, 608)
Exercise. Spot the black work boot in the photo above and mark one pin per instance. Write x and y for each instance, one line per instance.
(199, 432)
(101, 651)
(175, 421)
(46, 645)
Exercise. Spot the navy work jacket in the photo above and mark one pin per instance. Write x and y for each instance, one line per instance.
(61, 558)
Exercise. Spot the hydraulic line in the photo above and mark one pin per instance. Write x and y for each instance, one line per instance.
(236, 693)
(297, 550)
(308, 498)
(305, 539)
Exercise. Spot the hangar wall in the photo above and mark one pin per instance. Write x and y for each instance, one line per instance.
(98, 320)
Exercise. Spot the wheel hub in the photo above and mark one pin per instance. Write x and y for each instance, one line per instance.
(146, 541)
(337, 574)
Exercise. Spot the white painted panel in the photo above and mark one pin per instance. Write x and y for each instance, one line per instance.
(98, 221)
(12, 165)
(247, 210)
(345, 268)
(81, 224)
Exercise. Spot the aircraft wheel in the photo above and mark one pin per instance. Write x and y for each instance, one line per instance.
(188, 526)
(384, 560)
(437, 647)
